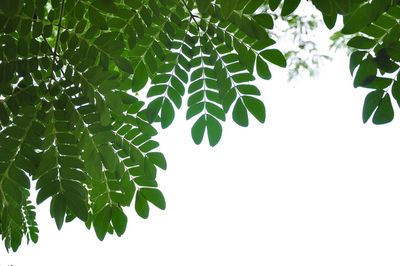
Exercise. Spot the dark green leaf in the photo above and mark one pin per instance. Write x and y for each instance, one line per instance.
(227, 7)
(158, 159)
(384, 113)
(102, 222)
(371, 103)
(365, 73)
(255, 107)
(154, 196)
(119, 220)
(289, 6)
(167, 113)
(214, 130)
(198, 129)
(141, 205)
(239, 114)
(97, 19)
(123, 64)
(274, 56)
(58, 208)
(203, 5)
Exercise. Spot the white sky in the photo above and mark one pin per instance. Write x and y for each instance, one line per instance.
(313, 186)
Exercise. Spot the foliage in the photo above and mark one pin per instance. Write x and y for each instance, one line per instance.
(299, 31)
(70, 73)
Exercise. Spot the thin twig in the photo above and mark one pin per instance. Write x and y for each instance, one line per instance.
(192, 17)
(58, 34)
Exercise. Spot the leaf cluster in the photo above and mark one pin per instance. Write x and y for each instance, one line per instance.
(71, 122)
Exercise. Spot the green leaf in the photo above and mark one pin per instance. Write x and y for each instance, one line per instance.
(140, 77)
(158, 159)
(355, 59)
(239, 114)
(214, 130)
(108, 157)
(371, 103)
(135, 4)
(396, 92)
(18, 176)
(366, 72)
(101, 222)
(4, 116)
(153, 109)
(154, 196)
(330, 21)
(123, 64)
(198, 130)
(203, 5)
(146, 128)
(255, 107)
(105, 5)
(58, 208)
(167, 113)
(263, 69)
(362, 43)
(289, 6)
(114, 101)
(11, 7)
(15, 193)
(274, 4)
(119, 220)
(149, 169)
(227, 7)
(274, 56)
(359, 19)
(384, 114)
(77, 206)
(47, 191)
(141, 205)
(97, 19)
(93, 165)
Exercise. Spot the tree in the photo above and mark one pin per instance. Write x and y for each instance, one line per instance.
(74, 121)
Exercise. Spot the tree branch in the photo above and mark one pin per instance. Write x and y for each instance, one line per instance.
(58, 34)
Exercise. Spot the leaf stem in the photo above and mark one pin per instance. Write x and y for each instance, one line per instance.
(58, 34)
(192, 17)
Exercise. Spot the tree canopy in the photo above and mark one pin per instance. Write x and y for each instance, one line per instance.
(73, 75)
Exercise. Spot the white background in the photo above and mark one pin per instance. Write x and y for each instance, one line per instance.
(312, 186)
